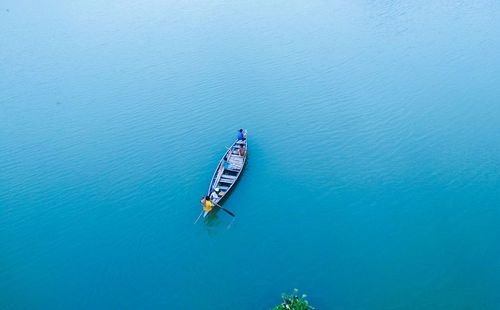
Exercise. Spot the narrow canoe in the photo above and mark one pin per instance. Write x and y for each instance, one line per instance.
(225, 177)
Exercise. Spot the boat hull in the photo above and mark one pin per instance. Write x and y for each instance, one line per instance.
(227, 172)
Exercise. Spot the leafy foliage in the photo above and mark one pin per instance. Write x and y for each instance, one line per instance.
(294, 302)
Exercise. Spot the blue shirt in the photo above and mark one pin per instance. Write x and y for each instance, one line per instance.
(240, 135)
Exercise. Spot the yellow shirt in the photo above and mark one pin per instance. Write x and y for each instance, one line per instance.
(208, 206)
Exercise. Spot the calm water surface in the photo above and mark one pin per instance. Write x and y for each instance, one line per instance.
(373, 172)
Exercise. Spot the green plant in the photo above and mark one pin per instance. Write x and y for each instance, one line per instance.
(293, 302)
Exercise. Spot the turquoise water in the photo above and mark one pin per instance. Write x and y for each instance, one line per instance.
(373, 169)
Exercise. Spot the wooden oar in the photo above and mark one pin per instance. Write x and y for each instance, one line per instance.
(199, 216)
(228, 212)
(202, 210)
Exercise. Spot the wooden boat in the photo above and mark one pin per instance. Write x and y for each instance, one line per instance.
(228, 171)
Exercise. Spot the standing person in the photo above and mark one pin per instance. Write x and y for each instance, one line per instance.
(242, 135)
(206, 203)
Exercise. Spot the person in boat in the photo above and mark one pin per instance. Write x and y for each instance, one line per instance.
(216, 194)
(242, 135)
(225, 164)
(206, 203)
(242, 151)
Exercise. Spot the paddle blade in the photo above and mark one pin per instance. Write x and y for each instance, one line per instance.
(228, 212)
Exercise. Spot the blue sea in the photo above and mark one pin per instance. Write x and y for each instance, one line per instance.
(373, 169)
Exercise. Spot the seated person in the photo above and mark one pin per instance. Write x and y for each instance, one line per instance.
(216, 194)
(242, 135)
(229, 166)
(242, 151)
